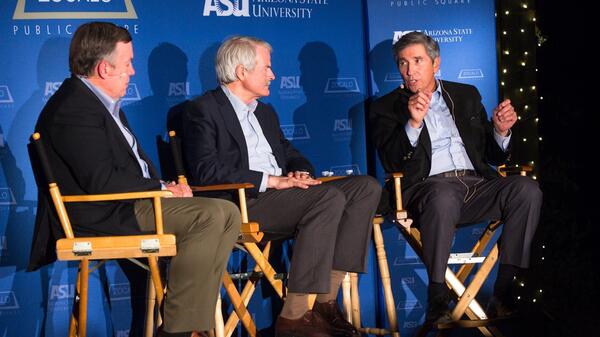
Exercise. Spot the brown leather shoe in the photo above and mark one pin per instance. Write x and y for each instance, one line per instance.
(332, 313)
(312, 324)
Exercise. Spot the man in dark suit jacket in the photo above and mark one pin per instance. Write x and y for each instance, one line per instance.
(92, 151)
(438, 134)
(230, 137)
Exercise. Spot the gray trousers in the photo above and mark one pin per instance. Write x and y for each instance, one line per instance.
(439, 204)
(331, 224)
(206, 230)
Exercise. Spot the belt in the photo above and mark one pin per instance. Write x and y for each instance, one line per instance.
(456, 173)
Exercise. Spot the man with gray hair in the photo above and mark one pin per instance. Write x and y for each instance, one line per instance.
(438, 134)
(231, 137)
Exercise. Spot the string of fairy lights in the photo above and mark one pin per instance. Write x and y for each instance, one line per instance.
(518, 38)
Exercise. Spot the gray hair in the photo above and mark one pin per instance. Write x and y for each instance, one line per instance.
(431, 46)
(237, 50)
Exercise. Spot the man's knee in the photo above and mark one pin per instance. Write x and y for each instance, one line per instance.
(333, 197)
(369, 185)
(219, 214)
(525, 189)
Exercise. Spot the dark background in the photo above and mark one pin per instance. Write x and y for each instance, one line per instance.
(568, 274)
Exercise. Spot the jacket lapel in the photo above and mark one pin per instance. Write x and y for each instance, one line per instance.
(232, 123)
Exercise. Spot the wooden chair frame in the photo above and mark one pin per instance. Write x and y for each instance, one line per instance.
(85, 249)
(350, 294)
(465, 294)
(248, 239)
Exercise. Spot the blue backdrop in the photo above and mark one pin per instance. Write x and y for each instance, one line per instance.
(330, 56)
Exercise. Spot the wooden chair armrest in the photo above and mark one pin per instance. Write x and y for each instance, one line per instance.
(221, 187)
(514, 169)
(394, 175)
(326, 179)
(116, 196)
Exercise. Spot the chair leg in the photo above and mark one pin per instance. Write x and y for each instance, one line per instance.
(355, 300)
(238, 305)
(83, 296)
(478, 249)
(385, 280)
(156, 281)
(150, 306)
(347, 297)
(219, 324)
(73, 323)
(469, 294)
(246, 294)
(265, 266)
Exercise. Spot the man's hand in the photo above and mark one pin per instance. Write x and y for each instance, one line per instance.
(280, 183)
(302, 175)
(179, 190)
(418, 105)
(504, 117)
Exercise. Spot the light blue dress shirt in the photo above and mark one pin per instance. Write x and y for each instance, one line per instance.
(260, 154)
(113, 107)
(447, 148)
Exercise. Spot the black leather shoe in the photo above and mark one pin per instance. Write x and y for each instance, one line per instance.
(497, 308)
(332, 313)
(437, 309)
(438, 317)
(312, 324)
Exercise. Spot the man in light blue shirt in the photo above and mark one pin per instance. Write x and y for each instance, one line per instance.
(438, 134)
(230, 136)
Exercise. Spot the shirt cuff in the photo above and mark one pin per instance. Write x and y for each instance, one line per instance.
(263, 182)
(502, 140)
(413, 134)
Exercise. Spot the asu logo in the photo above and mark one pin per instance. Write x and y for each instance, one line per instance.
(122, 333)
(179, 89)
(62, 292)
(342, 125)
(290, 82)
(51, 88)
(227, 7)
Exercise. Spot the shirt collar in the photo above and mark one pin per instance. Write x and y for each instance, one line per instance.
(113, 106)
(238, 105)
(437, 93)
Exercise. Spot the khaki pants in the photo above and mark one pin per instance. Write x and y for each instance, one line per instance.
(206, 230)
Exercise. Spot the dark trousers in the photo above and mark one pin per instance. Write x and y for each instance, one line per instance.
(206, 230)
(439, 204)
(331, 224)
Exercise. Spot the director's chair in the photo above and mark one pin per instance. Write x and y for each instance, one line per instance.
(465, 293)
(85, 249)
(250, 236)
